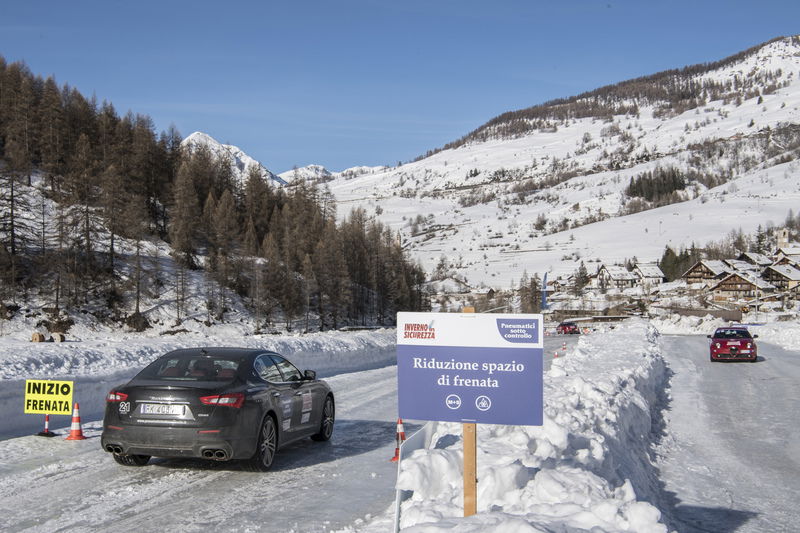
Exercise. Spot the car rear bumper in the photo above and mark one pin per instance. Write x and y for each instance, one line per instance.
(205, 443)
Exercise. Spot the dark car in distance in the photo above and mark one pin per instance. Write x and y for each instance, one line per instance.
(219, 404)
(733, 343)
(568, 328)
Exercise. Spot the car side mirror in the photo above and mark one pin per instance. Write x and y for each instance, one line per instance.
(708, 336)
(755, 336)
(309, 375)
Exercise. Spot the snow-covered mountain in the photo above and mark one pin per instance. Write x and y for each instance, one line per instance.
(314, 173)
(543, 189)
(320, 174)
(240, 161)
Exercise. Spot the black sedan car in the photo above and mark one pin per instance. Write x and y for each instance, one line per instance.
(220, 404)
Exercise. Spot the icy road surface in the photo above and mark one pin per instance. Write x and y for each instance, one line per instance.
(57, 485)
(731, 454)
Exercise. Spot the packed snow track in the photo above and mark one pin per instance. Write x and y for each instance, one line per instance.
(731, 456)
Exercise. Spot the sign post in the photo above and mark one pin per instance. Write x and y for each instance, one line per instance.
(469, 436)
(470, 368)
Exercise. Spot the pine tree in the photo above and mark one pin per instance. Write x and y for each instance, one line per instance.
(181, 293)
(330, 271)
(184, 213)
(257, 200)
(581, 280)
(114, 199)
(669, 264)
(309, 287)
(273, 272)
(250, 241)
(81, 194)
(525, 297)
(536, 296)
(225, 225)
(51, 126)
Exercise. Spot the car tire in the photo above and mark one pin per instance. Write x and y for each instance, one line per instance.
(131, 459)
(328, 419)
(266, 446)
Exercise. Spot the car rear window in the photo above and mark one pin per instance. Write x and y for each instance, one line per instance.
(732, 334)
(192, 368)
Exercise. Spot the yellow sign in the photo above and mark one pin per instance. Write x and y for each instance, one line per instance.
(43, 396)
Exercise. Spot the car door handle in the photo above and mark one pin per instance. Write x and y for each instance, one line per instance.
(276, 394)
(298, 393)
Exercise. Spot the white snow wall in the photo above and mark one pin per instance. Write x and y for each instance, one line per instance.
(97, 365)
(587, 468)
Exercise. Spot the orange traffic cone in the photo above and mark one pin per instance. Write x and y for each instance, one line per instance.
(75, 430)
(564, 346)
(555, 355)
(46, 432)
(401, 437)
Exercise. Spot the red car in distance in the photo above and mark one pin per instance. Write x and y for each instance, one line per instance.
(733, 343)
(568, 328)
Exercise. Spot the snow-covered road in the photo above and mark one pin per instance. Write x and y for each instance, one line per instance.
(731, 454)
(56, 485)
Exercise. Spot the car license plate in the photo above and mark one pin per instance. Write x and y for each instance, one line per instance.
(161, 409)
(734, 343)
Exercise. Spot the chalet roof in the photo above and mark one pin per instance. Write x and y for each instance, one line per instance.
(789, 251)
(756, 259)
(787, 271)
(619, 273)
(716, 267)
(740, 265)
(649, 270)
(757, 282)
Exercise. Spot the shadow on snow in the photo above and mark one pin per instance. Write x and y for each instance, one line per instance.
(350, 438)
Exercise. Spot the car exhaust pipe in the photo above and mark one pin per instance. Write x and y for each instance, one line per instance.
(112, 448)
(216, 455)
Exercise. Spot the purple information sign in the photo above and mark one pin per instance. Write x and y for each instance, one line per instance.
(483, 368)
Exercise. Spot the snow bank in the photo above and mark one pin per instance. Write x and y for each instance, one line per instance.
(586, 468)
(675, 324)
(783, 333)
(328, 353)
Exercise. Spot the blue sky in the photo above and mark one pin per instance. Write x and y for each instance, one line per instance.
(364, 82)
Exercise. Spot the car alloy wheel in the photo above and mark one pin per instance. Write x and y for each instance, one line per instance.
(328, 419)
(265, 447)
(267, 443)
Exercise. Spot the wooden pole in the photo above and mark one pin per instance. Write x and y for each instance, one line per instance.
(469, 437)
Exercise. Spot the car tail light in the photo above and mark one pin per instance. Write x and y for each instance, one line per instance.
(749, 345)
(115, 396)
(234, 399)
(718, 345)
